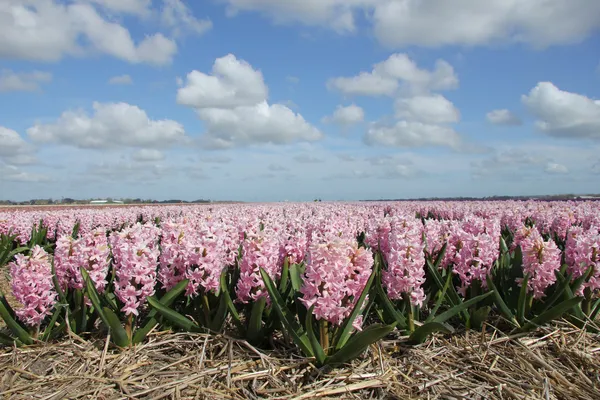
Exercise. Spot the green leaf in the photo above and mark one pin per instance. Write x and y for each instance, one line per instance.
(522, 300)
(552, 314)
(463, 306)
(8, 341)
(255, 323)
(595, 310)
(296, 271)
(579, 281)
(168, 299)
(442, 295)
(285, 275)
(14, 326)
(568, 294)
(117, 332)
(452, 295)
(94, 297)
(220, 315)
(388, 306)
(289, 323)
(440, 256)
(346, 328)
(500, 303)
(16, 251)
(225, 293)
(174, 317)
(421, 333)
(479, 316)
(61, 294)
(9, 309)
(359, 343)
(52, 323)
(314, 342)
(560, 288)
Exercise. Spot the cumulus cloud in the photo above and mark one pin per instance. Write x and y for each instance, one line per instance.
(148, 155)
(413, 134)
(12, 173)
(346, 115)
(335, 14)
(563, 114)
(179, 18)
(11, 81)
(232, 103)
(431, 109)
(436, 23)
(233, 83)
(503, 117)
(49, 30)
(110, 125)
(121, 80)
(13, 149)
(397, 72)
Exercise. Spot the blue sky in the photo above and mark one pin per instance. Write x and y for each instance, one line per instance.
(270, 100)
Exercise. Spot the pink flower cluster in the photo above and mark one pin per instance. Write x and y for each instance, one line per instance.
(582, 252)
(135, 254)
(405, 273)
(541, 259)
(31, 284)
(337, 271)
(259, 250)
(89, 251)
(475, 246)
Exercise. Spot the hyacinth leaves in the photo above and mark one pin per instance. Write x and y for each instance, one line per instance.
(333, 346)
(122, 330)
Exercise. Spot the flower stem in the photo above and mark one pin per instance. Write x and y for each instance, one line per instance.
(324, 335)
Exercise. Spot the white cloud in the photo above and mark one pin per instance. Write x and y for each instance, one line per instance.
(233, 83)
(177, 16)
(439, 22)
(148, 155)
(563, 114)
(135, 7)
(412, 134)
(430, 109)
(554, 168)
(435, 23)
(13, 149)
(47, 30)
(112, 124)
(346, 115)
(335, 14)
(503, 117)
(22, 81)
(277, 168)
(232, 102)
(397, 72)
(216, 159)
(121, 80)
(262, 123)
(13, 174)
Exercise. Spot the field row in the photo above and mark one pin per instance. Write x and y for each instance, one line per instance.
(332, 278)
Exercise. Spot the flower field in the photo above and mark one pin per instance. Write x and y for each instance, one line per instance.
(327, 280)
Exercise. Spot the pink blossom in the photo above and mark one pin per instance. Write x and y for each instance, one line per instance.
(541, 259)
(31, 284)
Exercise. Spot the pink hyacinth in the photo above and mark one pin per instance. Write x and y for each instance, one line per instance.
(90, 251)
(475, 247)
(259, 250)
(541, 259)
(31, 284)
(337, 271)
(135, 254)
(405, 273)
(582, 252)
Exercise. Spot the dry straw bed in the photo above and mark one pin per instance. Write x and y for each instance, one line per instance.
(558, 362)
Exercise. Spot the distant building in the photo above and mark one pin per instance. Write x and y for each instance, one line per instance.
(106, 202)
